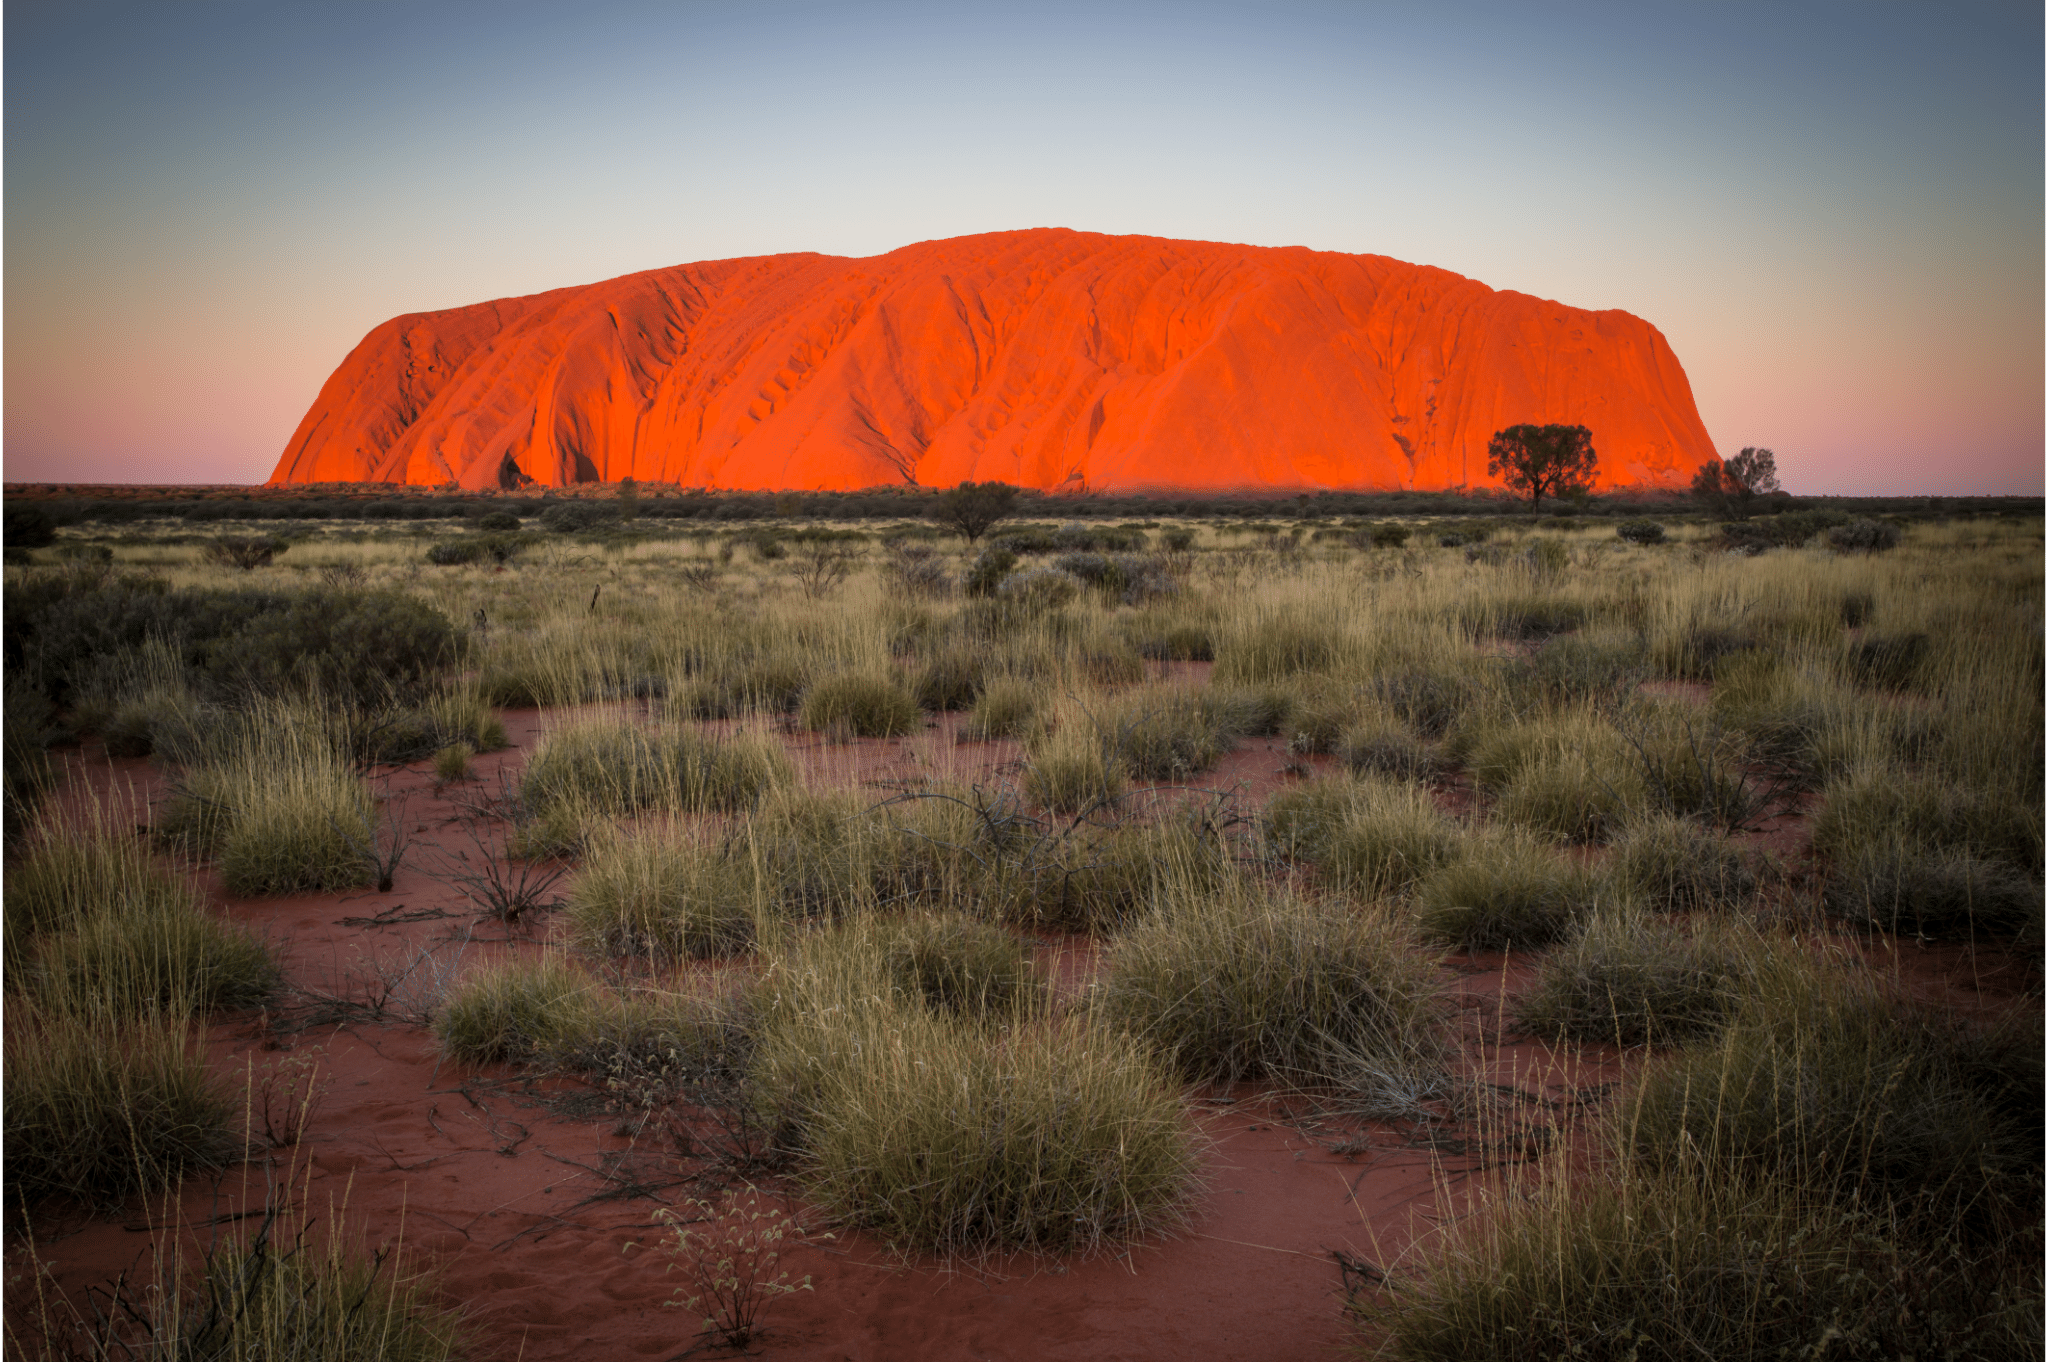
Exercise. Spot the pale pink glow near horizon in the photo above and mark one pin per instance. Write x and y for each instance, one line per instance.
(1848, 262)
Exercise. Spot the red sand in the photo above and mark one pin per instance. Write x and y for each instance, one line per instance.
(492, 1185)
(1047, 358)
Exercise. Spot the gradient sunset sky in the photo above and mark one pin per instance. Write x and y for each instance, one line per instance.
(1832, 211)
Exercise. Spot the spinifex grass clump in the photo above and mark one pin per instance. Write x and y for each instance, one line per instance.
(515, 1011)
(1627, 978)
(1069, 772)
(95, 926)
(270, 792)
(1508, 890)
(1647, 1264)
(1163, 732)
(958, 964)
(1248, 982)
(286, 1288)
(1569, 776)
(614, 767)
(1939, 895)
(1675, 864)
(665, 893)
(954, 1135)
(1372, 835)
(98, 1108)
(1006, 708)
(859, 705)
(1882, 808)
(1831, 1083)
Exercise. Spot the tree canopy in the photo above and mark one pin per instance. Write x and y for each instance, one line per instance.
(1540, 461)
(974, 506)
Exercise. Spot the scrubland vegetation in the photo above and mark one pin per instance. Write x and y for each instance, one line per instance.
(1700, 781)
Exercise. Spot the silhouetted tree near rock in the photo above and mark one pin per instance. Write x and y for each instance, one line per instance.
(1540, 461)
(1730, 488)
(974, 506)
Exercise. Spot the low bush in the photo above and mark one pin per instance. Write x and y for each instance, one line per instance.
(1879, 809)
(1250, 984)
(451, 763)
(1162, 732)
(493, 548)
(1888, 663)
(339, 643)
(1640, 531)
(989, 570)
(1660, 1265)
(1508, 891)
(288, 830)
(1277, 648)
(1863, 536)
(1038, 589)
(579, 517)
(132, 959)
(859, 705)
(497, 522)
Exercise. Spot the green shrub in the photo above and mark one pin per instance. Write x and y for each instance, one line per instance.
(28, 527)
(1640, 531)
(495, 548)
(1162, 732)
(1508, 891)
(665, 895)
(1888, 663)
(1664, 1266)
(292, 830)
(97, 1111)
(579, 517)
(1377, 744)
(143, 958)
(338, 642)
(1246, 984)
(859, 705)
(514, 1011)
(991, 567)
(497, 522)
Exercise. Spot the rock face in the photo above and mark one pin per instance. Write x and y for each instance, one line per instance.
(1047, 358)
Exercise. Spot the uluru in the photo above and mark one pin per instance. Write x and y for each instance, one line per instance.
(1047, 358)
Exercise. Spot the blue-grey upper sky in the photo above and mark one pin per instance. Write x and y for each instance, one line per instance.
(1833, 211)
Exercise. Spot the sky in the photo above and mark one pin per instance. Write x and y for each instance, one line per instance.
(1833, 212)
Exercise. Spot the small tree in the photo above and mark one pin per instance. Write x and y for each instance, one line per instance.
(1540, 461)
(972, 507)
(1730, 488)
